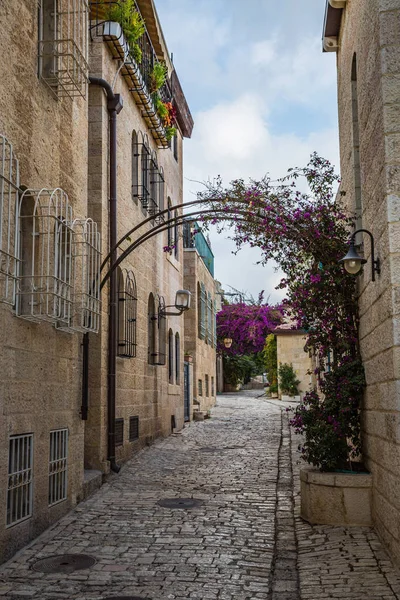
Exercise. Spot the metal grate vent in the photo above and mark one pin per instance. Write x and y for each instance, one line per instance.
(182, 503)
(119, 432)
(20, 472)
(58, 466)
(64, 563)
(133, 428)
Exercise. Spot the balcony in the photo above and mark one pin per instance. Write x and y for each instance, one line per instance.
(139, 60)
(193, 238)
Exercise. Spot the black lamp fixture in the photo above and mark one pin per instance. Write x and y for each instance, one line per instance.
(182, 304)
(352, 261)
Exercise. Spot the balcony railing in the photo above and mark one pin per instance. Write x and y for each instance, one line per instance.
(193, 238)
(138, 63)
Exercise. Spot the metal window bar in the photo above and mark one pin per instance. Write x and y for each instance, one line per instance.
(20, 476)
(176, 237)
(177, 359)
(46, 269)
(161, 355)
(133, 428)
(64, 46)
(154, 182)
(142, 191)
(127, 314)
(86, 249)
(151, 330)
(207, 386)
(58, 466)
(170, 356)
(119, 432)
(9, 185)
(136, 73)
(135, 165)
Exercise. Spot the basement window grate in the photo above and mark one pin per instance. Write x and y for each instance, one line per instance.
(20, 472)
(58, 466)
(133, 428)
(119, 432)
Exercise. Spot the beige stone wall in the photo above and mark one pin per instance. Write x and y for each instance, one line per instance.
(290, 350)
(370, 30)
(40, 368)
(203, 353)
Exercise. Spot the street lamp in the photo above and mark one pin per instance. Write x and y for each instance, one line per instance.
(182, 304)
(352, 261)
(227, 342)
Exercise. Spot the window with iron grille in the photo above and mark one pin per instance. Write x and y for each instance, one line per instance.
(212, 387)
(20, 475)
(119, 432)
(58, 468)
(9, 184)
(170, 356)
(177, 359)
(127, 314)
(207, 385)
(170, 239)
(133, 428)
(141, 187)
(200, 387)
(176, 236)
(135, 165)
(157, 332)
(63, 46)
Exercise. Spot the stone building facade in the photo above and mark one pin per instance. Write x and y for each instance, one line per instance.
(54, 232)
(366, 37)
(290, 350)
(200, 322)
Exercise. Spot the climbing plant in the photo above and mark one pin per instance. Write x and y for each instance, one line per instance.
(305, 230)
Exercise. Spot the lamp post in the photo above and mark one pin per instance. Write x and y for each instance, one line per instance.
(352, 261)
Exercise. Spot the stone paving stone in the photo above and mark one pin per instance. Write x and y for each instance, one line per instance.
(245, 542)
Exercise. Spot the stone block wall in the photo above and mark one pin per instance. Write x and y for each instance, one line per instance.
(370, 32)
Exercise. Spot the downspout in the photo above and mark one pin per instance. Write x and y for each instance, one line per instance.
(114, 107)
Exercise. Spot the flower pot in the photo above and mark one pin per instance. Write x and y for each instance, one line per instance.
(336, 498)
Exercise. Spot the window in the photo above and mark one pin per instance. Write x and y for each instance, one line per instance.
(119, 432)
(9, 184)
(210, 319)
(177, 359)
(63, 46)
(207, 386)
(20, 473)
(176, 236)
(58, 466)
(200, 387)
(152, 328)
(133, 428)
(170, 226)
(127, 314)
(46, 284)
(175, 146)
(212, 387)
(171, 356)
(215, 324)
(135, 165)
(201, 310)
(356, 149)
(141, 157)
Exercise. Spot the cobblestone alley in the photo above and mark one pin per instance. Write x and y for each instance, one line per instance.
(241, 541)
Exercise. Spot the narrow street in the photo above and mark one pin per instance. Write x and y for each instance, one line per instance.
(241, 540)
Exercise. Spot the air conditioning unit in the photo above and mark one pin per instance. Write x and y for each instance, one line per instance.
(338, 3)
(330, 44)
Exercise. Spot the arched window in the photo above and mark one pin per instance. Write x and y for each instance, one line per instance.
(177, 359)
(176, 236)
(154, 185)
(151, 330)
(356, 148)
(170, 356)
(127, 314)
(161, 191)
(135, 165)
(170, 227)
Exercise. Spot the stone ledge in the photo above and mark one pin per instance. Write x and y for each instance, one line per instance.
(336, 498)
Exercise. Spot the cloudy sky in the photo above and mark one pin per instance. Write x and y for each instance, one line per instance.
(263, 97)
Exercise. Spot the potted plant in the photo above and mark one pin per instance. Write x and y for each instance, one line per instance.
(273, 390)
(132, 24)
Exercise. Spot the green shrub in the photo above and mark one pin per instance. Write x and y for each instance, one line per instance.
(287, 380)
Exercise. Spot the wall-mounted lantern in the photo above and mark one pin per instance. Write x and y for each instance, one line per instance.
(352, 261)
(227, 342)
(182, 304)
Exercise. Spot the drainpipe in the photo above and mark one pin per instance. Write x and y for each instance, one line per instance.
(114, 107)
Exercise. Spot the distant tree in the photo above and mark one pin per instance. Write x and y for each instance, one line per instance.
(270, 354)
